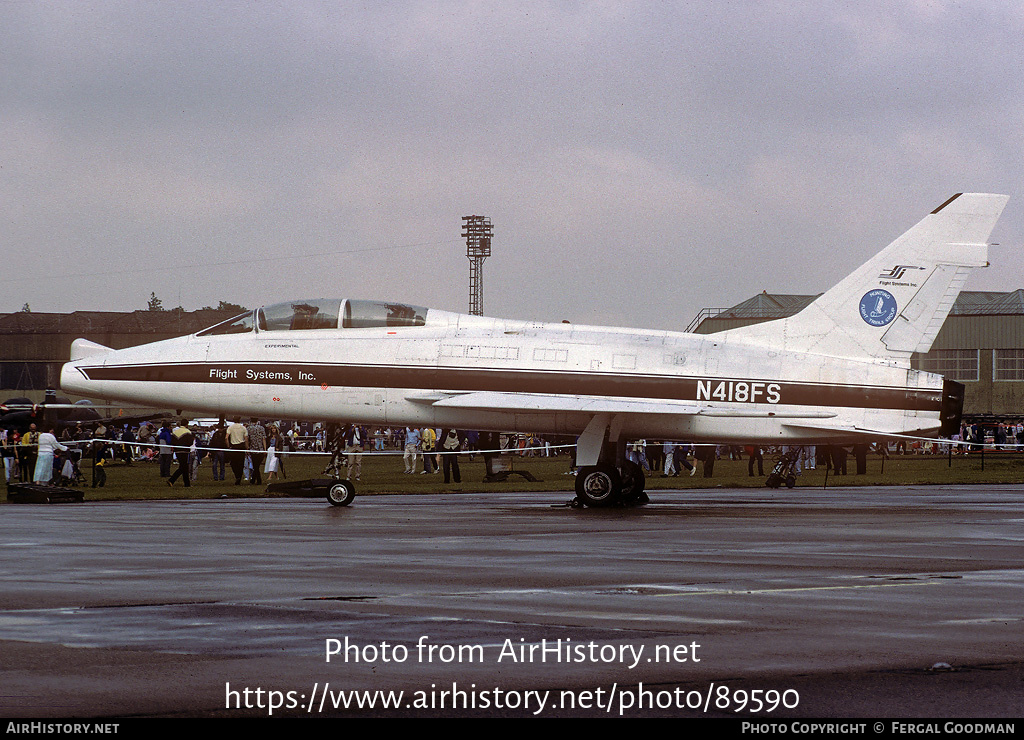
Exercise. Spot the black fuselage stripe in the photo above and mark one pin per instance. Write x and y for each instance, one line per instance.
(711, 390)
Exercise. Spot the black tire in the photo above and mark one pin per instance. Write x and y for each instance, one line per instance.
(633, 483)
(790, 481)
(341, 493)
(598, 485)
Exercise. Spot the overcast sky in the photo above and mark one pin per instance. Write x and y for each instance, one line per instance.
(639, 161)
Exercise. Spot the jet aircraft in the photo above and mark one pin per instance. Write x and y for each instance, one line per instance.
(837, 371)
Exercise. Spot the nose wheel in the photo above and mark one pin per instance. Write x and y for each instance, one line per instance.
(341, 493)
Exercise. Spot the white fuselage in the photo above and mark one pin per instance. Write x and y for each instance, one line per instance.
(481, 373)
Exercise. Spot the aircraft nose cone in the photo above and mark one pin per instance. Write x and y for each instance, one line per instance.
(72, 380)
(83, 352)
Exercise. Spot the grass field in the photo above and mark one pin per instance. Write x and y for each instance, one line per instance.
(384, 475)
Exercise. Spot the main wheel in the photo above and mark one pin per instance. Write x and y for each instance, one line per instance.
(598, 485)
(633, 482)
(341, 493)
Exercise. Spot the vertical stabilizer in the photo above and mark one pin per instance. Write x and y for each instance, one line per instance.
(895, 303)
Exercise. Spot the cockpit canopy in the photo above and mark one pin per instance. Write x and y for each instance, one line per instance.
(321, 313)
(299, 315)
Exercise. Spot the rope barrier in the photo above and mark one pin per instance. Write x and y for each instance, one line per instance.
(971, 445)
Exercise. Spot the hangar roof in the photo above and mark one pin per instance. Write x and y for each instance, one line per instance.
(969, 303)
(766, 306)
(988, 303)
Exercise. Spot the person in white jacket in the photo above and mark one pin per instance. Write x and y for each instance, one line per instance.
(48, 444)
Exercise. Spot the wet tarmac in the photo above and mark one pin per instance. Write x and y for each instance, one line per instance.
(839, 601)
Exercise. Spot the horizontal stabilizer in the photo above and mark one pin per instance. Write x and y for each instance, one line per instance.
(833, 432)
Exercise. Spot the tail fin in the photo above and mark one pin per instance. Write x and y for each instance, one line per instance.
(896, 302)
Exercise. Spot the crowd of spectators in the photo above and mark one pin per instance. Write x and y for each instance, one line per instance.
(254, 449)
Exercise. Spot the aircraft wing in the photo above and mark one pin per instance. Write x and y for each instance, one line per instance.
(553, 402)
(541, 403)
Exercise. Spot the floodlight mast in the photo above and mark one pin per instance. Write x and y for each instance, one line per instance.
(478, 231)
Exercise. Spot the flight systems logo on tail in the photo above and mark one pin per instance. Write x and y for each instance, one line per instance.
(878, 307)
(897, 272)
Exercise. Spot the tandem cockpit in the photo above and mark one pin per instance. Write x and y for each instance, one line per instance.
(322, 313)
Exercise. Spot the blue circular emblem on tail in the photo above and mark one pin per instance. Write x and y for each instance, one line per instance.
(878, 307)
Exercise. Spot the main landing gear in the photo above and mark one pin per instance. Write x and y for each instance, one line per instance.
(601, 483)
